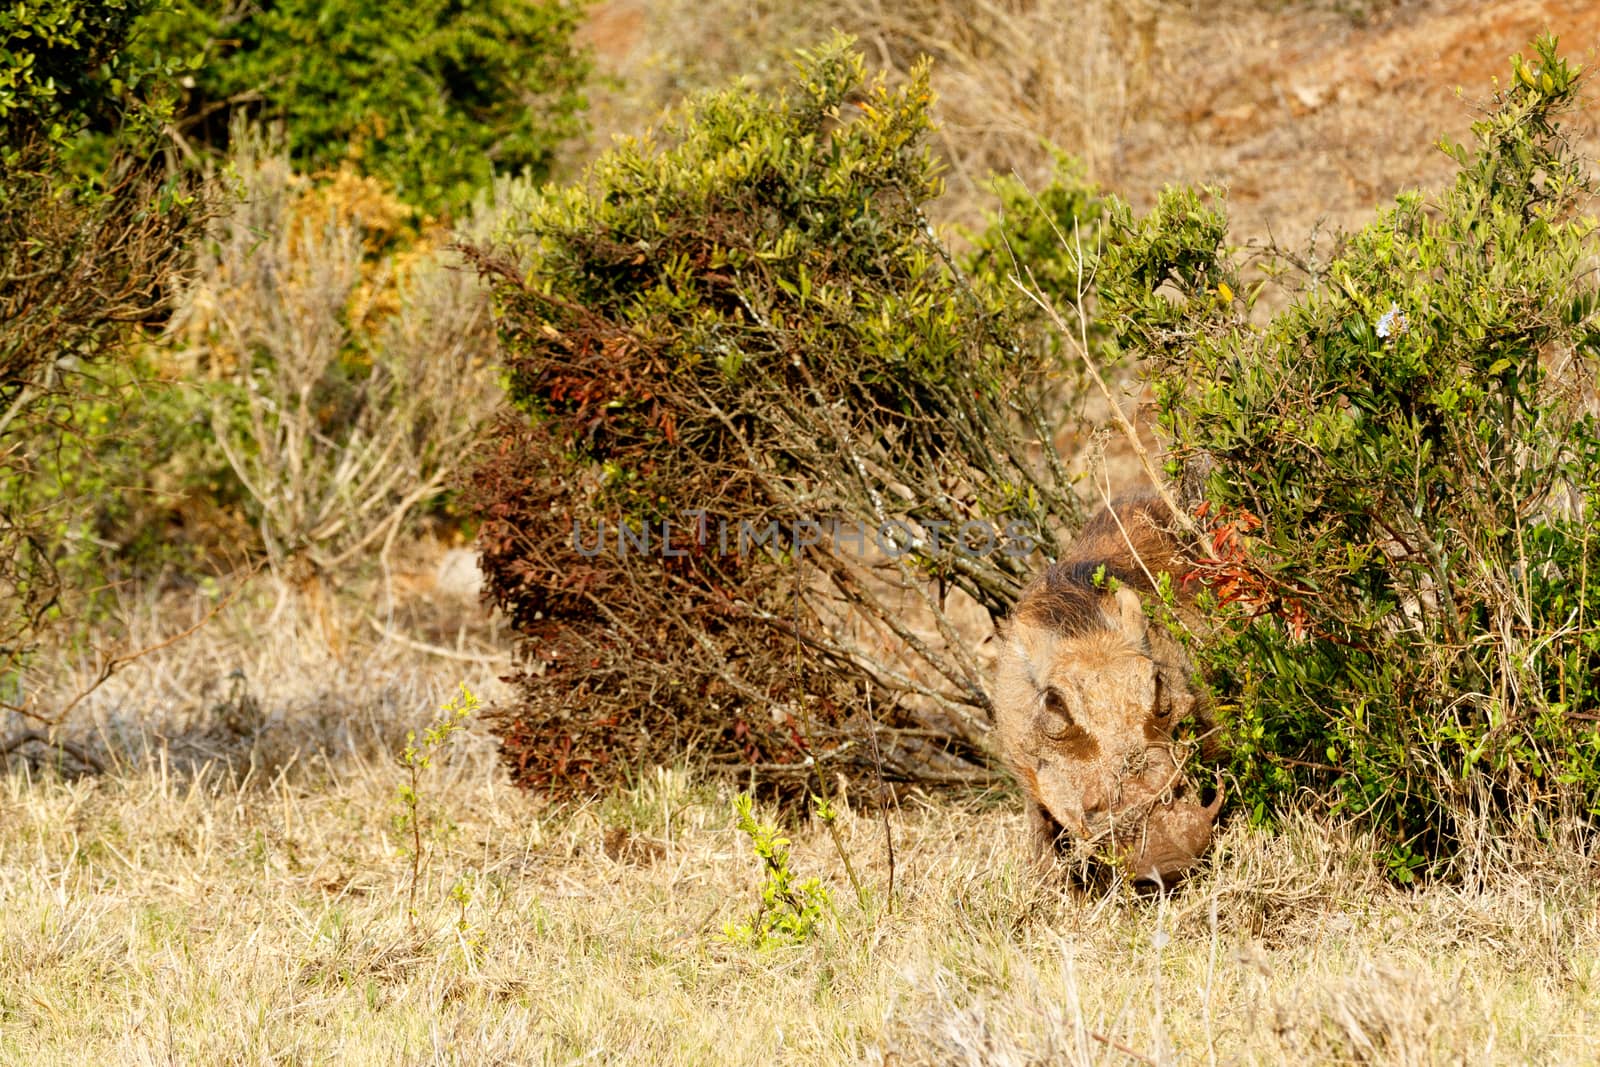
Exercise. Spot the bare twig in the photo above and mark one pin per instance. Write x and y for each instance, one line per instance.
(1080, 340)
(71, 748)
(502, 659)
(1111, 1043)
(115, 663)
(883, 800)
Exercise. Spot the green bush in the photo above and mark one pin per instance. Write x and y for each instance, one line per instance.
(119, 486)
(752, 318)
(67, 64)
(435, 97)
(1410, 635)
(1037, 235)
(1046, 240)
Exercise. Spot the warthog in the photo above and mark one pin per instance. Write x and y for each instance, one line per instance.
(1088, 693)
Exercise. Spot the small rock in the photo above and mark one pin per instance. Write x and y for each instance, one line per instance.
(1308, 97)
(457, 574)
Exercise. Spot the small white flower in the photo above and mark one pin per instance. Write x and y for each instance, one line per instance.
(1393, 322)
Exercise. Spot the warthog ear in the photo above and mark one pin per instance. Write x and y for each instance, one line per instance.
(1125, 612)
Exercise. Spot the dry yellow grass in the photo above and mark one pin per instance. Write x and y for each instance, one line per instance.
(175, 911)
(152, 917)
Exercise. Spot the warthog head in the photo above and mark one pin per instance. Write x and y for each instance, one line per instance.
(1086, 699)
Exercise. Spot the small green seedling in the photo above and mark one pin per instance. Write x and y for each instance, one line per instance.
(415, 758)
(790, 912)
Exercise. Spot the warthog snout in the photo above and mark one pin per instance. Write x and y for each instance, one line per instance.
(1172, 838)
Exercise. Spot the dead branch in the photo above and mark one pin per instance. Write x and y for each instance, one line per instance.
(60, 744)
(117, 662)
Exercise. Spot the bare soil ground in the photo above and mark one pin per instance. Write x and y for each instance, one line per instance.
(1320, 118)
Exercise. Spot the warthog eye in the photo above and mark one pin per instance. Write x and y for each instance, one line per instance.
(1056, 720)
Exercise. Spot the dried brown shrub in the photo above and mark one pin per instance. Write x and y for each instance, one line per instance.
(753, 324)
(346, 362)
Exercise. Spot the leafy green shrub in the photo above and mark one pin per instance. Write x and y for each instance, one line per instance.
(1013, 77)
(749, 324)
(1045, 240)
(435, 97)
(1410, 634)
(67, 64)
(111, 512)
(1035, 235)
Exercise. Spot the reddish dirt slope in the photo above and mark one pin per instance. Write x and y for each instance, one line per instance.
(1305, 116)
(1303, 113)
